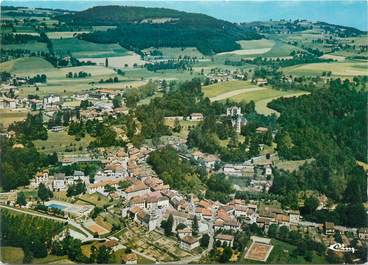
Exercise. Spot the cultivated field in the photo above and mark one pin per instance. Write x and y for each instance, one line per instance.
(27, 66)
(9, 116)
(225, 87)
(84, 49)
(176, 52)
(337, 68)
(33, 46)
(263, 94)
(129, 59)
(63, 34)
(256, 44)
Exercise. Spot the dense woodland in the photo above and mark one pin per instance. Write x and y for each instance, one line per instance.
(326, 126)
(182, 29)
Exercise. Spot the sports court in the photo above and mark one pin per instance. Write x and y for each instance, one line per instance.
(258, 251)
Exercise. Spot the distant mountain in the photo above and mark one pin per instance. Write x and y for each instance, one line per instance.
(289, 26)
(139, 28)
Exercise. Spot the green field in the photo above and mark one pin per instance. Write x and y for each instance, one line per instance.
(84, 49)
(33, 46)
(11, 255)
(176, 52)
(27, 65)
(95, 199)
(224, 87)
(267, 93)
(63, 34)
(102, 28)
(256, 44)
(281, 254)
(59, 141)
(280, 49)
(337, 69)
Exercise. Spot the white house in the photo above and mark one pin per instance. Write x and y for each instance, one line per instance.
(189, 243)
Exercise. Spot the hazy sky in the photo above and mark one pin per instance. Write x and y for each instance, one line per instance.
(350, 13)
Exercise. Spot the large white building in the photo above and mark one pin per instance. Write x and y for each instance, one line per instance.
(7, 103)
(237, 119)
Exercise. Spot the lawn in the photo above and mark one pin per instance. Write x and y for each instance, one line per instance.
(95, 199)
(281, 255)
(59, 141)
(84, 49)
(224, 87)
(337, 68)
(11, 255)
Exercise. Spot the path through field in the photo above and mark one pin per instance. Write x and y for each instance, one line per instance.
(236, 92)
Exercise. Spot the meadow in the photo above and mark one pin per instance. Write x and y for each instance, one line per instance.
(60, 141)
(63, 34)
(225, 87)
(267, 93)
(33, 46)
(345, 69)
(169, 52)
(9, 116)
(84, 49)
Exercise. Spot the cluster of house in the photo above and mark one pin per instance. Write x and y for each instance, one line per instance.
(218, 75)
(58, 181)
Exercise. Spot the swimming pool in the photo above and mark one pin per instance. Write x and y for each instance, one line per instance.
(57, 206)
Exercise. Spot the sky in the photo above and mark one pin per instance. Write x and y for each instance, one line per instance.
(348, 12)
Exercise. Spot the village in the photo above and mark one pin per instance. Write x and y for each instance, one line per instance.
(122, 149)
(125, 204)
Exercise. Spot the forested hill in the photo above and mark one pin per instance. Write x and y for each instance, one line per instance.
(139, 28)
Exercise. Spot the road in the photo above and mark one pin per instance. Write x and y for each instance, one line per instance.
(237, 92)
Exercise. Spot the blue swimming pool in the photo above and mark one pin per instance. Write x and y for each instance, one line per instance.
(57, 206)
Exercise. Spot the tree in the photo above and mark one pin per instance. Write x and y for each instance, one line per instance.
(310, 205)
(272, 230)
(44, 193)
(169, 225)
(21, 199)
(106, 62)
(177, 126)
(195, 227)
(103, 255)
(226, 255)
(28, 256)
(205, 240)
(117, 101)
(283, 232)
